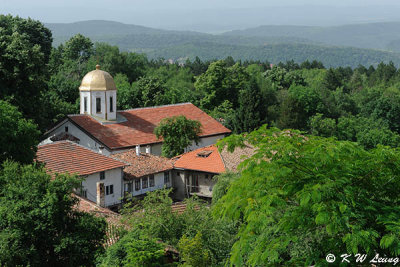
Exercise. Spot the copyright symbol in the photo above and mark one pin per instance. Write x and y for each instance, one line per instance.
(330, 258)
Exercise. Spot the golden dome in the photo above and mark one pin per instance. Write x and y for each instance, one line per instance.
(97, 80)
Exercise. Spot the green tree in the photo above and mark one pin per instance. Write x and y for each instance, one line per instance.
(301, 197)
(192, 251)
(25, 47)
(157, 220)
(223, 180)
(151, 90)
(144, 252)
(78, 48)
(39, 225)
(18, 136)
(177, 133)
(127, 96)
(251, 113)
(221, 83)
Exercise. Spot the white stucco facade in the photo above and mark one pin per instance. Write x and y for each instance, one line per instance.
(107, 100)
(84, 139)
(112, 178)
(131, 187)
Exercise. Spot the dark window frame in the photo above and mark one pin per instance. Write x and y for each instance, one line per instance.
(152, 182)
(145, 182)
(102, 175)
(137, 185)
(166, 178)
(98, 104)
(111, 104)
(85, 104)
(109, 189)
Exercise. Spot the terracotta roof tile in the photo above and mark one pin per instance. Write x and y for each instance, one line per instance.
(195, 160)
(233, 159)
(144, 164)
(66, 156)
(209, 159)
(140, 124)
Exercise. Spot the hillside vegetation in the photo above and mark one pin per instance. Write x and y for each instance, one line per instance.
(330, 45)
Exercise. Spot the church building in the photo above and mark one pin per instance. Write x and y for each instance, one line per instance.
(104, 129)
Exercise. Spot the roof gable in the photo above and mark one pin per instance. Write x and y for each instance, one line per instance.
(206, 159)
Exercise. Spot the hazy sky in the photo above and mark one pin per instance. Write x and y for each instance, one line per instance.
(205, 14)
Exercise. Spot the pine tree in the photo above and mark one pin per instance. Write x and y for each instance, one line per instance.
(251, 113)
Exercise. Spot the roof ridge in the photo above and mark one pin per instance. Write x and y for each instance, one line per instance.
(161, 106)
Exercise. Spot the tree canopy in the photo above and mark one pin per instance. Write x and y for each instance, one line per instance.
(177, 133)
(18, 136)
(302, 197)
(39, 224)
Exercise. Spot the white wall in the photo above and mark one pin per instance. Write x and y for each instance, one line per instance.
(84, 94)
(158, 184)
(85, 140)
(113, 177)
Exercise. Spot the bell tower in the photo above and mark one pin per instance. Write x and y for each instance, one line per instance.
(98, 95)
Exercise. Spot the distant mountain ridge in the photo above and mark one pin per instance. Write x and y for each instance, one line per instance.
(369, 35)
(348, 45)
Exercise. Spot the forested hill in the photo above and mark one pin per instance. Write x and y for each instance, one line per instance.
(272, 43)
(383, 35)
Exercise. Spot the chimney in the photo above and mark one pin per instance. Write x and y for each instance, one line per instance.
(148, 149)
(138, 150)
(100, 194)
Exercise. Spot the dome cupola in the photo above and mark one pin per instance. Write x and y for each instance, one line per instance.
(97, 80)
(98, 95)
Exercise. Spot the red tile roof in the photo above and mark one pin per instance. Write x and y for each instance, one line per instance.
(209, 159)
(144, 164)
(66, 156)
(140, 124)
(194, 161)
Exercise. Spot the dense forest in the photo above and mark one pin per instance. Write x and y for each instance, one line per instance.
(324, 177)
(349, 45)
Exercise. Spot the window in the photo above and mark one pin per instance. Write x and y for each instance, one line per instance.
(128, 187)
(83, 193)
(137, 184)
(98, 104)
(145, 183)
(66, 129)
(151, 180)
(206, 176)
(166, 177)
(102, 175)
(109, 190)
(85, 104)
(111, 104)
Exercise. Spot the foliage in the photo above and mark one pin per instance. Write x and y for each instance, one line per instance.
(154, 219)
(142, 252)
(18, 136)
(250, 113)
(78, 47)
(177, 133)
(223, 181)
(25, 47)
(39, 224)
(301, 197)
(192, 251)
(366, 131)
